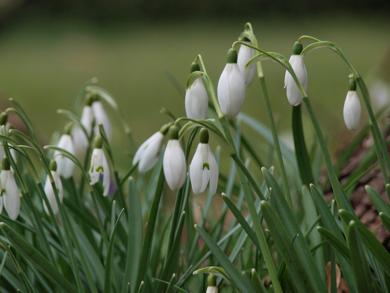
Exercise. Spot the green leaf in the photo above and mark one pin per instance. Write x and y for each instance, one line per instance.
(369, 240)
(385, 220)
(283, 242)
(303, 159)
(134, 240)
(378, 201)
(34, 256)
(291, 226)
(240, 218)
(231, 270)
(339, 246)
(257, 283)
(176, 287)
(110, 252)
(359, 261)
(217, 271)
(171, 285)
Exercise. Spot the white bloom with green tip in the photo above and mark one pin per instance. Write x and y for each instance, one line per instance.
(65, 165)
(80, 140)
(9, 191)
(50, 191)
(147, 154)
(99, 166)
(174, 163)
(101, 118)
(196, 101)
(352, 108)
(231, 86)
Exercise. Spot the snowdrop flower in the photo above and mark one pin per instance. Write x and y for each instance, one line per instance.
(147, 154)
(3, 122)
(65, 165)
(352, 107)
(99, 165)
(50, 191)
(211, 284)
(231, 86)
(296, 60)
(174, 162)
(9, 191)
(80, 140)
(244, 55)
(196, 97)
(101, 117)
(204, 167)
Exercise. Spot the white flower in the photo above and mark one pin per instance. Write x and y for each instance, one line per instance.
(244, 55)
(212, 289)
(50, 192)
(147, 154)
(231, 86)
(65, 165)
(174, 162)
(99, 166)
(203, 169)
(80, 140)
(293, 94)
(196, 100)
(9, 191)
(101, 118)
(352, 110)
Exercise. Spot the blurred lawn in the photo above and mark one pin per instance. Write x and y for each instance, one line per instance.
(44, 62)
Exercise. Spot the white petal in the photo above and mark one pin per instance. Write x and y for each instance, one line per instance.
(51, 197)
(236, 90)
(87, 119)
(101, 118)
(106, 176)
(196, 169)
(223, 90)
(149, 156)
(11, 196)
(244, 55)
(214, 173)
(96, 165)
(80, 142)
(212, 289)
(57, 181)
(174, 165)
(65, 165)
(196, 101)
(293, 94)
(352, 111)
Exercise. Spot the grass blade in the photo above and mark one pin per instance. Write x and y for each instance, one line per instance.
(339, 246)
(378, 201)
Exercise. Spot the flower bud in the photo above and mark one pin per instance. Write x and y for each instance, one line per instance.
(3, 118)
(99, 166)
(174, 162)
(50, 192)
(244, 55)
(231, 86)
(9, 191)
(65, 165)
(352, 108)
(101, 117)
(196, 101)
(293, 94)
(211, 284)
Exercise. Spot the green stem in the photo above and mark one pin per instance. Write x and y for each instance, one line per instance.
(275, 138)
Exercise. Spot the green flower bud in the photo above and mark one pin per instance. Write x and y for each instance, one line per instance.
(352, 85)
(211, 280)
(164, 129)
(3, 118)
(194, 67)
(89, 99)
(68, 128)
(297, 49)
(5, 164)
(173, 132)
(232, 56)
(53, 165)
(204, 135)
(98, 142)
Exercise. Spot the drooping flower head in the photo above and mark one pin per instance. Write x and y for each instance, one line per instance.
(147, 153)
(99, 165)
(204, 168)
(101, 116)
(80, 140)
(9, 191)
(174, 162)
(244, 55)
(231, 86)
(296, 60)
(352, 107)
(50, 191)
(196, 101)
(65, 165)
(212, 284)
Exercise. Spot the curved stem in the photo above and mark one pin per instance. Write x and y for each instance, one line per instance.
(308, 37)
(200, 59)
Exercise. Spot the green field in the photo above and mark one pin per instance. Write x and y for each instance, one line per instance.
(44, 62)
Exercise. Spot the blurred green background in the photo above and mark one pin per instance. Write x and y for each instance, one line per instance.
(47, 51)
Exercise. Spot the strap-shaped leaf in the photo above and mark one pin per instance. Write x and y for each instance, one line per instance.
(385, 220)
(257, 283)
(335, 242)
(37, 259)
(378, 201)
(359, 260)
(234, 274)
(369, 240)
(283, 242)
